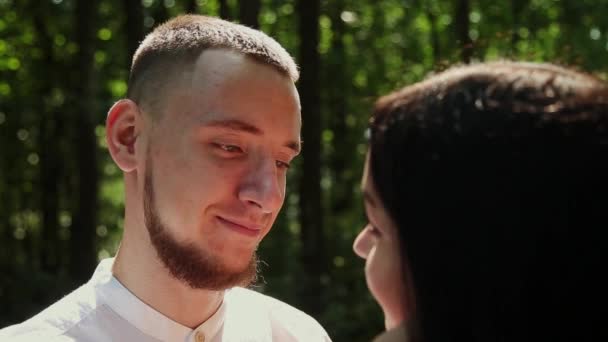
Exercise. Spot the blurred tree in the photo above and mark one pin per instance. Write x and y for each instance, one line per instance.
(160, 12)
(517, 7)
(83, 256)
(134, 25)
(429, 8)
(249, 11)
(49, 126)
(462, 30)
(311, 208)
(225, 10)
(191, 6)
(337, 134)
(64, 62)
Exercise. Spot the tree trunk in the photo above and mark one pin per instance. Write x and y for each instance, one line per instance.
(249, 11)
(311, 208)
(83, 254)
(49, 154)
(516, 8)
(339, 90)
(462, 30)
(160, 13)
(430, 14)
(135, 26)
(225, 12)
(378, 69)
(191, 6)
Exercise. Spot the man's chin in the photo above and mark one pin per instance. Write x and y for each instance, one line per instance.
(237, 267)
(217, 276)
(243, 274)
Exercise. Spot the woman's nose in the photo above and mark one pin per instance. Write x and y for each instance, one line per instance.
(363, 243)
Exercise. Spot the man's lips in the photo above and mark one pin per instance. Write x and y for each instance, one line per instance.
(243, 227)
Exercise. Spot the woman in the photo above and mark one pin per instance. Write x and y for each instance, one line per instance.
(486, 191)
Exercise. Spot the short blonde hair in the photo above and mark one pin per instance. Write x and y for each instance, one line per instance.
(175, 45)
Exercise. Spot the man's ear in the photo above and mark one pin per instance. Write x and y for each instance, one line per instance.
(123, 126)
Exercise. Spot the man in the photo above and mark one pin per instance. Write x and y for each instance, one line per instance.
(204, 138)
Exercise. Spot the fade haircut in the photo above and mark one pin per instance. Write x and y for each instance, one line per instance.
(172, 49)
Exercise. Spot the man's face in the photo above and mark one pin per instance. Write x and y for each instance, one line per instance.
(216, 167)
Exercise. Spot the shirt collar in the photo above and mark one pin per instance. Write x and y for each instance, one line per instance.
(144, 317)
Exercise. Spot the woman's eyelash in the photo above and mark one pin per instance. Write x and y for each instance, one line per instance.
(374, 230)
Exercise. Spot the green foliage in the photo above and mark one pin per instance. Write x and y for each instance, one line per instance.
(367, 49)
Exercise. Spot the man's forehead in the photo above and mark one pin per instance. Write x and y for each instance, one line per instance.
(213, 65)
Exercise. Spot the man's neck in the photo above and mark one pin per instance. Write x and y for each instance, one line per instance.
(138, 268)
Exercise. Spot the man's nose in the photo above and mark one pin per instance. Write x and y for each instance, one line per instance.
(363, 243)
(262, 186)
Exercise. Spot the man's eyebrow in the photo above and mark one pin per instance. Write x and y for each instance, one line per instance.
(235, 125)
(295, 146)
(238, 125)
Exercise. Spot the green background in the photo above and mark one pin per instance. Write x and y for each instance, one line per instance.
(64, 62)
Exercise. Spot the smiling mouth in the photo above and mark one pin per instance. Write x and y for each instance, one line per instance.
(247, 230)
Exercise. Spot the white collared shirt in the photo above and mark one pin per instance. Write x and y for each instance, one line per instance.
(104, 310)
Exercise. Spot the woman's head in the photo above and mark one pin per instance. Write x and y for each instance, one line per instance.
(494, 176)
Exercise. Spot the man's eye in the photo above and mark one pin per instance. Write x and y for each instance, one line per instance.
(229, 148)
(282, 165)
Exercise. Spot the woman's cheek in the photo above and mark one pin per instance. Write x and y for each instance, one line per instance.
(383, 274)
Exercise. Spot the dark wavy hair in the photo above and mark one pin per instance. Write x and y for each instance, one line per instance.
(496, 176)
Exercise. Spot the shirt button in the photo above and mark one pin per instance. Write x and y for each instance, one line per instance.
(199, 336)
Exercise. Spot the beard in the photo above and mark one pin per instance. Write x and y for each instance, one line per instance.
(187, 262)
